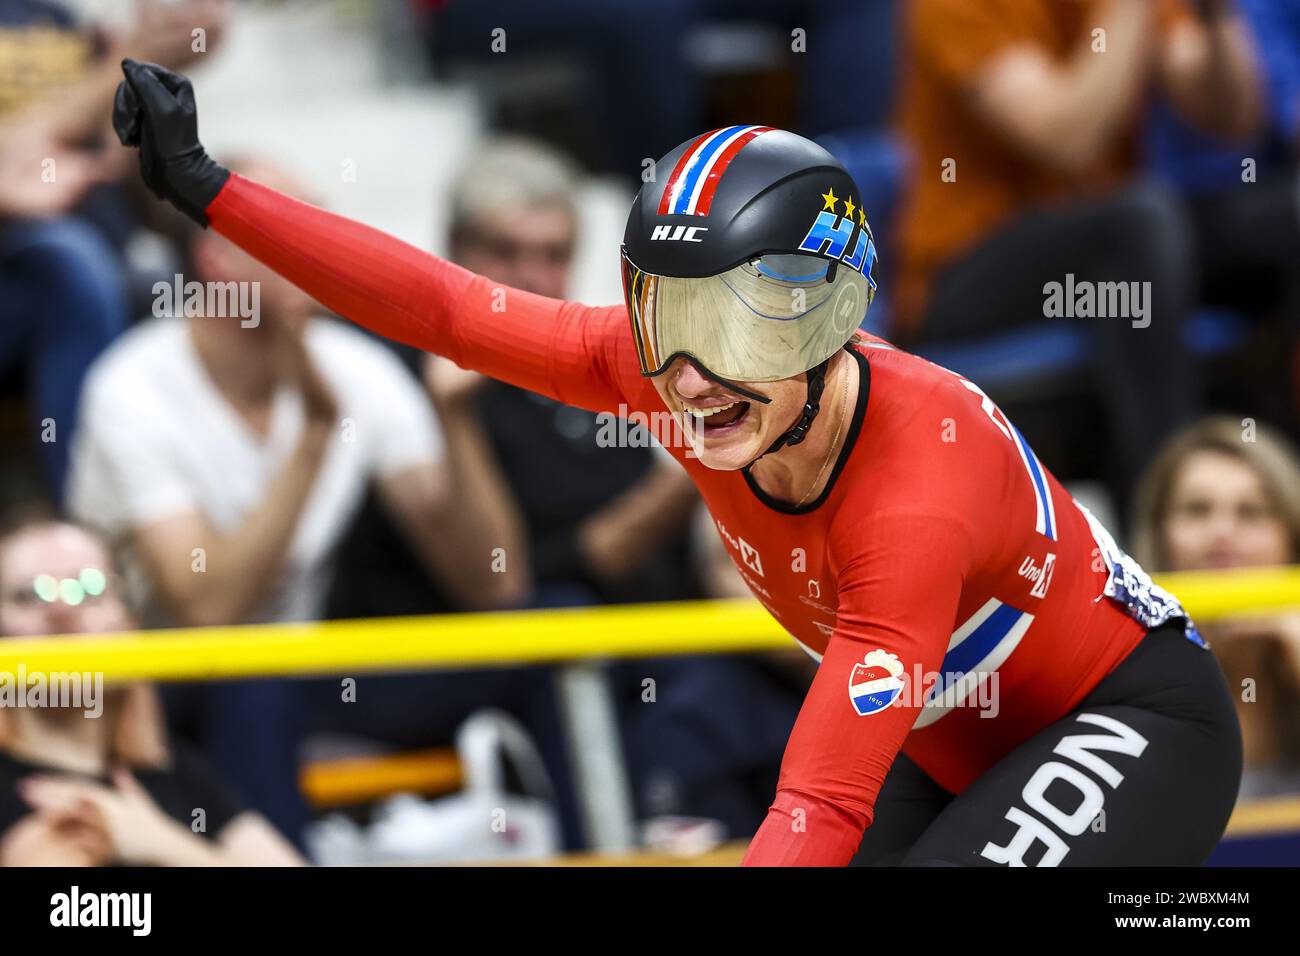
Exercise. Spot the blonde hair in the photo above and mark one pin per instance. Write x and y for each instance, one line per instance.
(1273, 459)
(1269, 455)
(511, 172)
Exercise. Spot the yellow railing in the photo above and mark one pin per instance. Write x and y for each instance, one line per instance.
(495, 639)
(526, 637)
(508, 638)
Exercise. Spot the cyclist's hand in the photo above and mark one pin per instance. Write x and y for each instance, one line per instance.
(154, 110)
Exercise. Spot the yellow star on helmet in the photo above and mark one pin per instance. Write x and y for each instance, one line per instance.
(848, 208)
(862, 218)
(829, 196)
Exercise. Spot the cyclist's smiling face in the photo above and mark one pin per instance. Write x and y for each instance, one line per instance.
(726, 430)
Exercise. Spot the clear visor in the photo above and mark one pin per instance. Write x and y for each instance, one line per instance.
(770, 318)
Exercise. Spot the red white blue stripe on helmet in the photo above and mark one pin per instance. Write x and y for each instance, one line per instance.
(690, 188)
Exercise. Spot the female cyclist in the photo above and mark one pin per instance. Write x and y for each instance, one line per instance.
(998, 683)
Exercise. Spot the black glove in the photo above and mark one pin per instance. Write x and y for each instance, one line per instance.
(154, 110)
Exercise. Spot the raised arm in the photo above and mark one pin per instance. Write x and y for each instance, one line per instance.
(1061, 113)
(567, 351)
(1208, 68)
(560, 349)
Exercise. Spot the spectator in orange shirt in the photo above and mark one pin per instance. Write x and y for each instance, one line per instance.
(1021, 115)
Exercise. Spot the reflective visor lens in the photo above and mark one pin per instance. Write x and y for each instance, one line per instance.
(767, 319)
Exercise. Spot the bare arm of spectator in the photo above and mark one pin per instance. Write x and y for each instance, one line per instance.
(44, 840)
(249, 840)
(1208, 67)
(1065, 115)
(718, 575)
(162, 33)
(615, 540)
(457, 516)
(449, 516)
(1284, 629)
(621, 536)
(54, 127)
(242, 566)
(138, 832)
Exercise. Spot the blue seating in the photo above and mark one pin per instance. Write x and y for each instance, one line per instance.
(1057, 348)
(1268, 849)
(877, 161)
(1048, 350)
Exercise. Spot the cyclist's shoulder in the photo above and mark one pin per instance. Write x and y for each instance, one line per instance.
(902, 384)
(919, 419)
(926, 449)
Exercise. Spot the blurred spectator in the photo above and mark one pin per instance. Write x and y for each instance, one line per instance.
(609, 523)
(1197, 163)
(1226, 494)
(228, 453)
(1244, 212)
(63, 296)
(603, 523)
(599, 524)
(101, 782)
(842, 52)
(1022, 131)
(707, 744)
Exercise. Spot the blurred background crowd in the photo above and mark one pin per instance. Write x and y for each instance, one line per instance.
(1000, 146)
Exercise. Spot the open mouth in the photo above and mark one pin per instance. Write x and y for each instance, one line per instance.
(717, 419)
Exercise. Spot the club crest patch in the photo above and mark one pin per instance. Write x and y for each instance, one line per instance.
(875, 683)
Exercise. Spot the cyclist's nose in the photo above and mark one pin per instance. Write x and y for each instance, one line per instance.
(690, 382)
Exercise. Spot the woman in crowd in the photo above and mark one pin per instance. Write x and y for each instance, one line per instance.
(96, 781)
(1226, 494)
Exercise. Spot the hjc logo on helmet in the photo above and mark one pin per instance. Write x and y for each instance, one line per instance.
(831, 231)
(677, 234)
(742, 300)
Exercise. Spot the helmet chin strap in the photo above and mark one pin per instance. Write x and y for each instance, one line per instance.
(799, 430)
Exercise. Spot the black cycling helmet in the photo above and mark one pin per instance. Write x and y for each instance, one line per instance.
(750, 255)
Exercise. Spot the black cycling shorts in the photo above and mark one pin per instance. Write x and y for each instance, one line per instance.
(1144, 772)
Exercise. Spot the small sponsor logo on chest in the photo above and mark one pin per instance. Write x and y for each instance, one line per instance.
(748, 553)
(820, 594)
(1040, 576)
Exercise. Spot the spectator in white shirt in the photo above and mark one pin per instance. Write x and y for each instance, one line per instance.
(226, 456)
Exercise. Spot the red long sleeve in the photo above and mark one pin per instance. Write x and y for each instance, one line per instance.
(574, 353)
(898, 589)
(803, 830)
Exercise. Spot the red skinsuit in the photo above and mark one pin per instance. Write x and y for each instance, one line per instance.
(938, 522)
